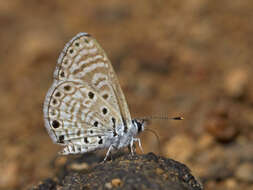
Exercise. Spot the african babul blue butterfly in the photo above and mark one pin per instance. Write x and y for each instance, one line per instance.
(85, 108)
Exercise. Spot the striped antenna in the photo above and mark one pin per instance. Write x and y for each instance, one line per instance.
(161, 118)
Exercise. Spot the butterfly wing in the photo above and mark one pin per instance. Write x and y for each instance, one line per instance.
(84, 60)
(83, 72)
(75, 114)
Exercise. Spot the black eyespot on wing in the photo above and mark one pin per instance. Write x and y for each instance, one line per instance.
(95, 123)
(100, 140)
(105, 96)
(71, 51)
(67, 88)
(54, 101)
(91, 95)
(57, 94)
(55, 124)
(61, 139)
(62, 74)
(91, 132)
(86, 140)
(104, 110)
(77, 44)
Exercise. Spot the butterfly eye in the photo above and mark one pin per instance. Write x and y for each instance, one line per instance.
(139, 126)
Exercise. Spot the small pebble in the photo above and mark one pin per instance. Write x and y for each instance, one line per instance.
(79, 166)
(159, 171)
(60, 161)
(117, 182)
(236, 82)
(108, 185)
(231, 183)
(245, 172)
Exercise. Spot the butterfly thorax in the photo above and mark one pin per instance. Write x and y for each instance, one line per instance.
(125, 138)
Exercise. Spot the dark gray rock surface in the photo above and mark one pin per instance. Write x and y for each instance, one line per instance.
(124, 172)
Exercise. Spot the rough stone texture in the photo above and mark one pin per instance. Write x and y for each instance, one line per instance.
(124, 172)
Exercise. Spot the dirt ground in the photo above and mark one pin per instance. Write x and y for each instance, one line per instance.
(176, 58)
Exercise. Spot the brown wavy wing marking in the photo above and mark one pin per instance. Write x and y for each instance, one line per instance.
(84, 60)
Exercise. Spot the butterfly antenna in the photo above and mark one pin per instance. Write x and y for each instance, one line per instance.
(162, 118)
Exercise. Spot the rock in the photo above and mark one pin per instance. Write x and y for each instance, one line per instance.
(126, 172)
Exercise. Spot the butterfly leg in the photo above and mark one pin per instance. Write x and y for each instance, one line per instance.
(139, 143)
(108, 153)
(132, 146)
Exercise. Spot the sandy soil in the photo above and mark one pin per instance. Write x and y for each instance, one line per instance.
(187, 58)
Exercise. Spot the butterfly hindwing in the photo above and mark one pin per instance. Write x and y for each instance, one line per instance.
(75, 110)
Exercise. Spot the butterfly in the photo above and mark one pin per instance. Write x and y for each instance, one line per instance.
(85, 108)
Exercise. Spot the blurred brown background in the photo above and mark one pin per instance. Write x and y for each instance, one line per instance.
(187, 58)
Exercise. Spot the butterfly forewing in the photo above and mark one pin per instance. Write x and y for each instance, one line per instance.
(85, 101)
(83, 59)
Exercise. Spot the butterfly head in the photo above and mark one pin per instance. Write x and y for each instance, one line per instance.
(139, 124)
